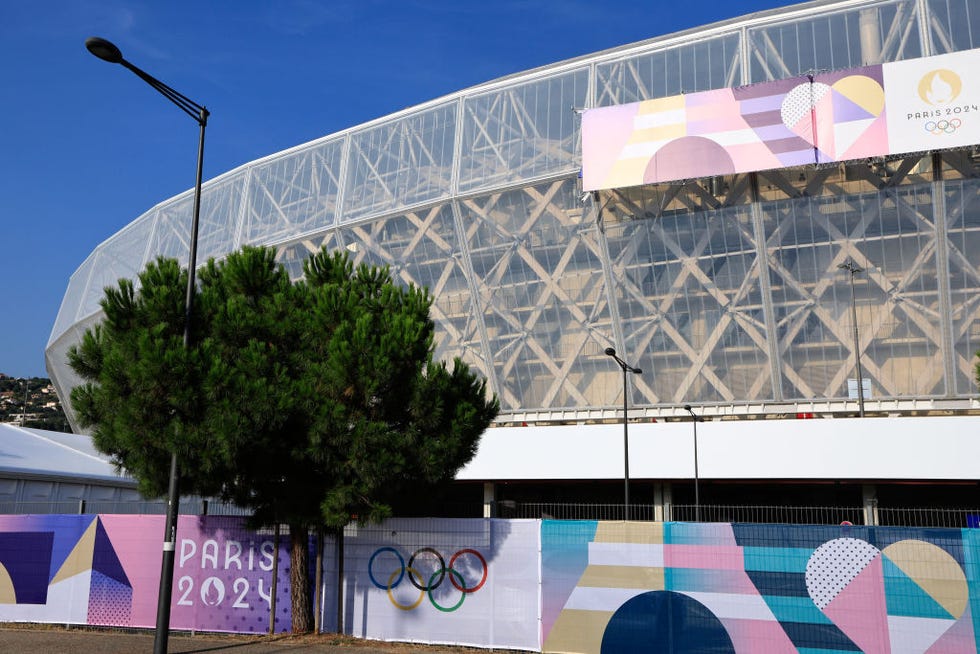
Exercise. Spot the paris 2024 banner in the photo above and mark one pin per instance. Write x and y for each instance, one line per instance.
(105, 570)
(915, 105)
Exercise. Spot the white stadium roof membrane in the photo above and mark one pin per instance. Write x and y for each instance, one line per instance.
(726, 291)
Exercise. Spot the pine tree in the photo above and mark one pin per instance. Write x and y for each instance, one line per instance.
(307, 403)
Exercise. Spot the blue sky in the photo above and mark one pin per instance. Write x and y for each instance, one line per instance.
(86, 147)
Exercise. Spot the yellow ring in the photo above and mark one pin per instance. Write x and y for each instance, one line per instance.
(405, 607)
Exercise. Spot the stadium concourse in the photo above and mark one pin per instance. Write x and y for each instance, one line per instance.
(775, 217)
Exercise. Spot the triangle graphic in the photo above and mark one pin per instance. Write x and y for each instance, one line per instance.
(910, 635)
(858, 610)
(958, 639)
(80, 558)
(804, 127)
(847, 134)
(906, 598)
(846, 110)
(872, 143)
(110, 602)
(104, 559)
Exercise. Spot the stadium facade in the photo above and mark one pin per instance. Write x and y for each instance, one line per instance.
(727, 291)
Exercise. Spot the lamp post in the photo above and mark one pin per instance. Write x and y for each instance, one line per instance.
(851, 268)
(108, 52)
(626, 434)
(697, 496)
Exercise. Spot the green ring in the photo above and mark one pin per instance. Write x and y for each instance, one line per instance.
(462, 595)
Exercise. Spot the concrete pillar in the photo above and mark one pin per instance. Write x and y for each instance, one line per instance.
(869, 493)
(489, 497)
(662, 499)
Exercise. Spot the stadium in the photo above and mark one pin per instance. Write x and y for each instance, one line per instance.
(759, 298)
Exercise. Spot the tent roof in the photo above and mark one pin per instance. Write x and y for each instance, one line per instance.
(36, 453)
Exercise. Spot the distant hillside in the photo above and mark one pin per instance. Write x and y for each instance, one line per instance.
(42, 409)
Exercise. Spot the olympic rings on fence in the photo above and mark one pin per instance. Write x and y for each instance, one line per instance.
(943, 126)
(426, 587)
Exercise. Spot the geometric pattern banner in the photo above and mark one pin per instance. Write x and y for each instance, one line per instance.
(679, 587)
(893, 108)
(553, 586)
(105, 570)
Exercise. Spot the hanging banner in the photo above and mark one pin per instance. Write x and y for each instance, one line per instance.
(895, 108)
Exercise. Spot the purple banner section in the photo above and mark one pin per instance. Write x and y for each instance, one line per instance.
(894, 108)
(105, 570)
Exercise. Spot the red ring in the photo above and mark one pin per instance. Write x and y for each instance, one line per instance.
(457, 585)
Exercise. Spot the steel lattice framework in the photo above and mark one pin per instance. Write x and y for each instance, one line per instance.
(726, 291)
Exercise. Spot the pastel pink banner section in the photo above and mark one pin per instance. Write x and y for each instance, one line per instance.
(222, 572)
(873, 111)
(710, 557)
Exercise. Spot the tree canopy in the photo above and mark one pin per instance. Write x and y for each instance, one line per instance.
(306, 402)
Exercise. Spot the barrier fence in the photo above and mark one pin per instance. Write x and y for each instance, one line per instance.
(872, 515)
(572, 585)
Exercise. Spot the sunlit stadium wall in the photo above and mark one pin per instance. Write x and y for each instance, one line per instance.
(725, 291)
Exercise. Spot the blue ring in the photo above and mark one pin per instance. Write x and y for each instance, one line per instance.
(400, 574)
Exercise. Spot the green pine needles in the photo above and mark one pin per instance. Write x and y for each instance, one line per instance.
(306, 402)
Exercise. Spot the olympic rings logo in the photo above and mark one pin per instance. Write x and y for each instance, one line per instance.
(943, 126)
(418, 575)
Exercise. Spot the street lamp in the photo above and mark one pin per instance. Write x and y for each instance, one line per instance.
(626, 434)
(851, 268)
(697, 496)
(108, 52)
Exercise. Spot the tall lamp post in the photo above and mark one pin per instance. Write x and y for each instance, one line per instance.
(108, 52)
(851, 268)
(697, 495)
(626, 434)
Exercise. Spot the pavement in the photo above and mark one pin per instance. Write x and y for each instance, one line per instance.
(42, 639)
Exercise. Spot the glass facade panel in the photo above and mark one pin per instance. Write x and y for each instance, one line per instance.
(219, 228)
(703, 66)
(538, 284)
(70, 304)
(691, 308)
(954, 25)
(876, 33)
(293, 195)
(400, 163)
(121, 257)
(522, 132)
(963, 256)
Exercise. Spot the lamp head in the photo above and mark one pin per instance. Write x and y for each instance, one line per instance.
(687, 407)
(104, 50)
(611, 351)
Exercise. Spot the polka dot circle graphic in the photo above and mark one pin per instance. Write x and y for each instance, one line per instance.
(834, 565)
(798, 105)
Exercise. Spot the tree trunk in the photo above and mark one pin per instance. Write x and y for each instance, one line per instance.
(299, 578)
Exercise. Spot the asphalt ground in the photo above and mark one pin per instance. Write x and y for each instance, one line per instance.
(37, 639)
